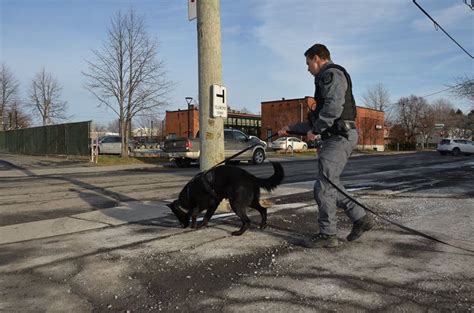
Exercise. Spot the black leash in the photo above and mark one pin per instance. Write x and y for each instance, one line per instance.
(239, 153)
(202, 175)
(408, 229)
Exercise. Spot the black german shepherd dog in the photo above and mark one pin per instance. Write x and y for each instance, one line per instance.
(206, 190)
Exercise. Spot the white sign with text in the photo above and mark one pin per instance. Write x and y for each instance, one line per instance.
(219, 101)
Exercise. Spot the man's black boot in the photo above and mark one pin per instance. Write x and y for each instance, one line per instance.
(359, 227)
(322, 241)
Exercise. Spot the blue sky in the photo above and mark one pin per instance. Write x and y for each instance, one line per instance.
(263, 41)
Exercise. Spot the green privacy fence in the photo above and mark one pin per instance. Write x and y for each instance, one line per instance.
(61, 139)
(2, 140)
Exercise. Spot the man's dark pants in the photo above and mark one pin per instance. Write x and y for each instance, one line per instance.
(333, 157)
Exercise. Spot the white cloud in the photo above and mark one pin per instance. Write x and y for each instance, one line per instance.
(289, 27)
(374, 40)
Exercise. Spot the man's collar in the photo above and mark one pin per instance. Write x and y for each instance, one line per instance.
(318, 76)
(324, 67)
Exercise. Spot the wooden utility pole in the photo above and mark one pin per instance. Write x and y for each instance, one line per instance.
(211, 130)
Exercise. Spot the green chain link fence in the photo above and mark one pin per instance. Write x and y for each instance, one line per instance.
(62, 139)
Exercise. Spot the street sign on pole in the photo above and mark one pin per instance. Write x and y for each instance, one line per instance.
(219, 102)
(192, 10)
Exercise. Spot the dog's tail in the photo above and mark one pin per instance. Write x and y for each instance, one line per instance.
(273, 181)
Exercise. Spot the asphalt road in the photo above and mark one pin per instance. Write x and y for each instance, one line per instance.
(34, 191)
(152, 265)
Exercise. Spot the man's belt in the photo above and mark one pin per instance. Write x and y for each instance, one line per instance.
(339, 128)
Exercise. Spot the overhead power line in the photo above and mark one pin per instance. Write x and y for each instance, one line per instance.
(437, 92)
(432, 94)
(439, 26)
(470, 5)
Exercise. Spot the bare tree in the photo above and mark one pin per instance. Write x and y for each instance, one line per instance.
(444, 111)
(45, 97)
(98, 127)
(8, 92)
(456, 123)
(113, 126)
(125, 75)
(413, 117)
(470, 122)
(150, 122)
(17, 117)
(245, 111)
(464, 88)
(377, 97)
(426, 124)
(461, 127)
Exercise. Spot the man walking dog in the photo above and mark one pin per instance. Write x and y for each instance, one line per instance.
(334, 120)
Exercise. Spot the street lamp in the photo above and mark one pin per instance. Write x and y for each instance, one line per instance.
(189, 100)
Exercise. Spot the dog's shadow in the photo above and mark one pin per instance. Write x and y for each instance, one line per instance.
(226, 222)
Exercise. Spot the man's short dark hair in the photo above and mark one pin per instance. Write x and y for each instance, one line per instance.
(320, 50)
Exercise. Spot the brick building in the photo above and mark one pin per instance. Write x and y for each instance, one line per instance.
(370, 125)
(177, 122)
(177, 125)
(278, 113)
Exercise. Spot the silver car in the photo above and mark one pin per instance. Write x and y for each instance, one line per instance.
(289, 144)
(112, 145)
(455, 146)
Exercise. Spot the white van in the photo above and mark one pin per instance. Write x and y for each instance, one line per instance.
(455, 146)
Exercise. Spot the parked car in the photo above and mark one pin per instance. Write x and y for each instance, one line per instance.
(289, 143)
(455, 146)
(186, 150)
(113, 145)
(256, 139)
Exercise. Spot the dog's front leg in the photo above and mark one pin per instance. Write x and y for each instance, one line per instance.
(203, 223)
(210, 211)
(193, 215)
(193, 221)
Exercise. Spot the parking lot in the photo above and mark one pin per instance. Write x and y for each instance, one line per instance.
(128, 254)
